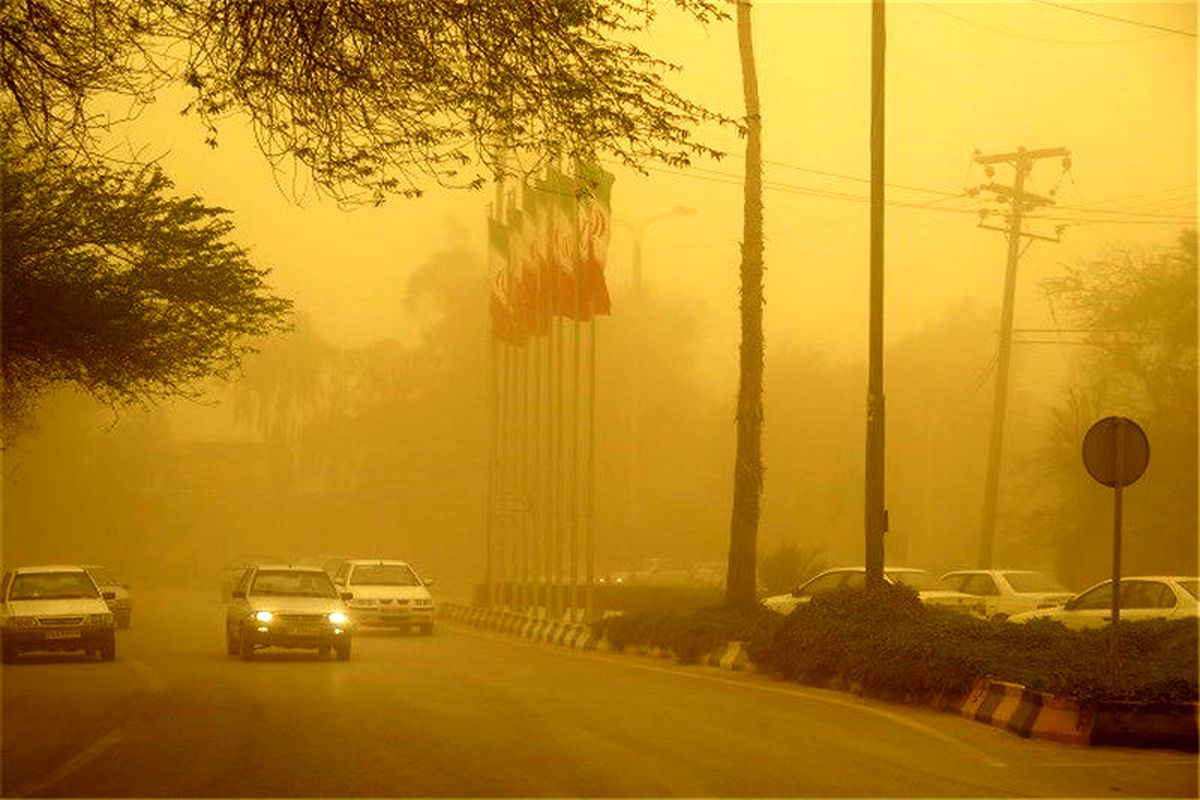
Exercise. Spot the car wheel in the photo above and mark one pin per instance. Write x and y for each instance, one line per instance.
(323, 650)
(231, 644)
(247, 648)
(343, 650)
(108, 650)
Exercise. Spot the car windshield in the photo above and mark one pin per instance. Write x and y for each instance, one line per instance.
(1034, 582)
(293, 582)
(1190, 586)
(52, 586)
(384, 575)
(919, 580)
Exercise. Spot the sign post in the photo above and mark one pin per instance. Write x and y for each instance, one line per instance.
(1115, 453)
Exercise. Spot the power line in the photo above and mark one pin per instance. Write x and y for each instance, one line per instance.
(1042, 39)
(1138, 23)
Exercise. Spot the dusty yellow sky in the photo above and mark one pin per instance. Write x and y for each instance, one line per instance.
(963, 75)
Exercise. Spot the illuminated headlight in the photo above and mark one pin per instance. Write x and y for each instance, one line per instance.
(264, 616)
(100, 619)
(22, 622)
(337, 618)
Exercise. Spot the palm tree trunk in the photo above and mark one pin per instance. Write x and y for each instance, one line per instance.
(740, 585)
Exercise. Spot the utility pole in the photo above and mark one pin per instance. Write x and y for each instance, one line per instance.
(1019, 201)
(876, 512)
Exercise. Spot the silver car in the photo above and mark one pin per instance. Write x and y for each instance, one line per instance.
(121, 602)
(926, 586)
(1005, 592)
(55, 608)
(281, 605)
(386, 593)
(1142, 597)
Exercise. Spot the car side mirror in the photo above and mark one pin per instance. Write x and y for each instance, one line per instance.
(109, 595)
(237, 593)
(347, 595)
(428, 581)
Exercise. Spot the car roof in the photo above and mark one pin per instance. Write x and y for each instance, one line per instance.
(989, 572)
(289, 568)
(378, 562)
(50, 568)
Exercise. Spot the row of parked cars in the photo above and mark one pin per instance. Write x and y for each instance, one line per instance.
(62, 607)
(1017, 595)
(309, 607)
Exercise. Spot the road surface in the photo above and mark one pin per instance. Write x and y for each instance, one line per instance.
(468, 714)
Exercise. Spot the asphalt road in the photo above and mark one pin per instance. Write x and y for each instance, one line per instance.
(467, 714)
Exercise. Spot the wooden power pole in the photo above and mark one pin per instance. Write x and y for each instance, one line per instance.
(876, 511)
(1019, 201)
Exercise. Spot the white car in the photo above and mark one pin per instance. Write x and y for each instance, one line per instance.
(928, 590)
(1005, 592)
(1142, 597)
(282, 605)
(386, 593)
(55, 608)
(121, 604)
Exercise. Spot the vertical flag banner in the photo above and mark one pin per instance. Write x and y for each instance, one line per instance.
(548, 253)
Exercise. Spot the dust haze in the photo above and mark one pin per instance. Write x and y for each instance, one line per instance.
(365, 431)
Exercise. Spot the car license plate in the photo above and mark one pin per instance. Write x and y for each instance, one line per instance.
(303, 630)
(63, 634)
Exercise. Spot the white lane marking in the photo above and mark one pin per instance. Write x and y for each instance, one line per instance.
(92, 752)
(983, 755)
(148, 675)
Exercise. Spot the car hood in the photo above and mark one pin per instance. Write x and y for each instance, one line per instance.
(365, 590)
(292, 604)
(52, 607)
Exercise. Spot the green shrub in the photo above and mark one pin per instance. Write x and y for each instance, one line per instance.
(886, 643)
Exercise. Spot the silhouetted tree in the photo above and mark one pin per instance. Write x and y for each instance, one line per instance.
(1140, 309)
(114, 285)
(740, 586)
(374, 98)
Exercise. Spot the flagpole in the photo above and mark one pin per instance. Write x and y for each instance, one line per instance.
(590, 512)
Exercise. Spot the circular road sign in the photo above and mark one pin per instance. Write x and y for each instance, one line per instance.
(1100, 451)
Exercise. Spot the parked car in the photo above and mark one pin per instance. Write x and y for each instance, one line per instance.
(121, 604)
(1005, 592)
(926, 585)
(55, 608)
(1142, 597)
(282, 605)
(386, 593)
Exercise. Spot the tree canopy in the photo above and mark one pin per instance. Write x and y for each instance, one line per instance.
(374, 98)
(113, 284)
(1139, 310)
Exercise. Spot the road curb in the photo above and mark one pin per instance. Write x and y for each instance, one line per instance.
(1005, 705)
(1040, 715)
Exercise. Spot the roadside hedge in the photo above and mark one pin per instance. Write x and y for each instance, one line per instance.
(886, 643)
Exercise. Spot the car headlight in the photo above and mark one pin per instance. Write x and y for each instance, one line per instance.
(100, 619)
(22, 622)
(264, 616)
(337, 618)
